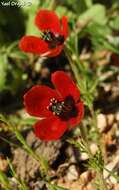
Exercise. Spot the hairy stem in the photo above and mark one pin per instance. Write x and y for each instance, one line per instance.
(101, 181)
(100, 146)
(39, 158)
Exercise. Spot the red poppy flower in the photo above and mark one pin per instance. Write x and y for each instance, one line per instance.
(60, 108)
(115, 59)
(53, 35)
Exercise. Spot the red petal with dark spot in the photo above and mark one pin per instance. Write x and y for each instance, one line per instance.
(65, 85)
(32, 44)
(37, 99)
(50, 128)
(47, 20)
(65, 26)
(80, 113)
(55, 52)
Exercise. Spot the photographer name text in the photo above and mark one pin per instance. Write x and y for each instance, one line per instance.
(16, 4)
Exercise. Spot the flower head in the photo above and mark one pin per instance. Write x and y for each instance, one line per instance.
(60, 108)
(53, 35)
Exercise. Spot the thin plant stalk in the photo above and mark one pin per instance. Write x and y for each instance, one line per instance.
(82, 130)
(39, 158)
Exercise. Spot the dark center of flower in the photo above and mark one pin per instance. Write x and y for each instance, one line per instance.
(64, 109)
(53, 39)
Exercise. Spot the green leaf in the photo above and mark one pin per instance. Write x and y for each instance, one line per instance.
(62, 10)
(30, 13)
(114, 23)
(15, 75)
(22, 185)
(43, 162)
(89, 3)
(96, 14)
(3, 71)
(55, 187)
(31, 29)
(98, 30)
(115, 42)
(76, 5)
(28, 121)
(4, 181)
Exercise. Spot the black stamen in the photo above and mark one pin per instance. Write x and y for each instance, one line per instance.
(58, 107)
(53, 39)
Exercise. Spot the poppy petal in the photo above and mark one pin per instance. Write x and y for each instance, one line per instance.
(80, 113)
(55, 52)
(65, 26)
(32, 44)
(37, 99)
(47, 20)
(65, 85)
(50, 128)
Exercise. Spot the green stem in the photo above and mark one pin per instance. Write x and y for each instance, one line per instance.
(85, 140)
(101, 181)
(4, 181)
(76, 74)
(39, 158)
(82, 130)
(93, 115)
(73, 65)
(100, 173)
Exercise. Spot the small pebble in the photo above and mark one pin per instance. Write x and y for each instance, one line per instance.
(101, 122)
(93, 148)
(110, 119)
(72, 173)
(84, 156)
